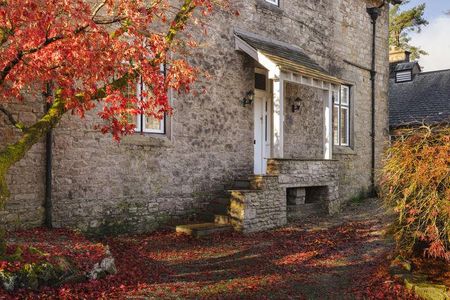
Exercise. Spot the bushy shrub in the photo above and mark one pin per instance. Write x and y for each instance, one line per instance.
(415, 181)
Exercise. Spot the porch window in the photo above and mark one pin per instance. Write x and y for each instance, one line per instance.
(341, 116)
(274, 2)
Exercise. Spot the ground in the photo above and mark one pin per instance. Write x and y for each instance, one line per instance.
(345, 257)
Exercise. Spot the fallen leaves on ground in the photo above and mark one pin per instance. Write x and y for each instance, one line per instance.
(295, 262)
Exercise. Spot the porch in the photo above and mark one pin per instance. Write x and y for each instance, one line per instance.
(294, 174)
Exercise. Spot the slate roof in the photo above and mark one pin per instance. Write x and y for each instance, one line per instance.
(405, 66)
(424, 99)
(288, 52)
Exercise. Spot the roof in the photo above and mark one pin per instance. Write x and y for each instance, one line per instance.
(406, 66)
(424, 99)
(286, 56)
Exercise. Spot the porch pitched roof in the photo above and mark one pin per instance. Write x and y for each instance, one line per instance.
(287, 57)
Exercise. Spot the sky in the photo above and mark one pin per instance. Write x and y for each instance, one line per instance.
(434, 38)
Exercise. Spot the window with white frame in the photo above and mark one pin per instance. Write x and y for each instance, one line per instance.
(274, 2)
(341, 116)
(148, 124)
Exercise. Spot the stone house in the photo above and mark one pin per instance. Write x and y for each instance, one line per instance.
(284, 127)
(416, 97)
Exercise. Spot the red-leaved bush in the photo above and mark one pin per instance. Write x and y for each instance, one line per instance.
(415, 181)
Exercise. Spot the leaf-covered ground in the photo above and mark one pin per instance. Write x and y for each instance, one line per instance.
(317, 258)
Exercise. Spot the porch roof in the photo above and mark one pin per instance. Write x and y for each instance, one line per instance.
(286, 57)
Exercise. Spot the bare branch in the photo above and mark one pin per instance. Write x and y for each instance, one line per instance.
(12, 120)
(98, 8)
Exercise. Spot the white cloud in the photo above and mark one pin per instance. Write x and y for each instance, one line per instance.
(435, 39)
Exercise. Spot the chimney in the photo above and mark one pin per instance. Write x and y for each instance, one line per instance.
(397, 55)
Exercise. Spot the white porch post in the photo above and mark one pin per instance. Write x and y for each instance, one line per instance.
(278, 117)
(328, 124)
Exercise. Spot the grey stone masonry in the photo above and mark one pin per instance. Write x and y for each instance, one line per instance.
(296, 173)
(264, 205)
(259, 209)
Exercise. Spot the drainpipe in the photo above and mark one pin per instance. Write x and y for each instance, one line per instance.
(48, 204)
(374, 13)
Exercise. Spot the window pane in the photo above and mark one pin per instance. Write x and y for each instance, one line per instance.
(345, 95)
(336, 124)
(152, 124)
(335, 96)
(276, 2)
(344, 126)
(133, 90)
(260, 81)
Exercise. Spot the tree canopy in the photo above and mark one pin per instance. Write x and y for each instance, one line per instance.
(402, 23)
(82, 54)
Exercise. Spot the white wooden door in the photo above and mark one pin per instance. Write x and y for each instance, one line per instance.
(262, 138)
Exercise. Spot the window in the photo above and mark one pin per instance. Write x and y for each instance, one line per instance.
(341, 116)
(146, 124)
(274, 2)
(260, 81)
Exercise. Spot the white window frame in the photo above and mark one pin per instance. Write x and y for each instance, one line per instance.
(140, 119)
(342, 104)
(274, 2)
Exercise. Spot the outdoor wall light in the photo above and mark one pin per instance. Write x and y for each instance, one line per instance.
(248, 99)
(296, 105)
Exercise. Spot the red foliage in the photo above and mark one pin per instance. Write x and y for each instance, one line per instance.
(41, 245)
(281, 264)
(81, 48)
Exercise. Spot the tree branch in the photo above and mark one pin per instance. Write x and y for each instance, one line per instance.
(12, 120)
(7, 69)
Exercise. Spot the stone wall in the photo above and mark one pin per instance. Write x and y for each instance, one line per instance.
(99, 184)
(295, 173)
(304, 132)
(257, 210)
(26, 180)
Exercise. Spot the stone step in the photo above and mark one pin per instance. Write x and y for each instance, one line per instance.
(203, 229)
(305, 210)
(204, 216)
(222, 200)
(222, 219)
(241, 183)
(217, 208)
(306, 207)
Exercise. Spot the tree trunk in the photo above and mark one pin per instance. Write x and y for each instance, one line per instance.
(12, 153)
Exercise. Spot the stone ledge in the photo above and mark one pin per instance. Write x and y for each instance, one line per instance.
(152, 140)
(339, 150)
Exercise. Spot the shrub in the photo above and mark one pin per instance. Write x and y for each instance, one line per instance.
(415, 181)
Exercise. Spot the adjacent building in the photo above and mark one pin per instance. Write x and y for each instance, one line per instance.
(416, 97)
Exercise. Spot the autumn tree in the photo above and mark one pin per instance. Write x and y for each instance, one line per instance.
(402, 23)
(79, 55)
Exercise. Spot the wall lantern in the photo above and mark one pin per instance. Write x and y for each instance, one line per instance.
(248, 99)
(296, 105)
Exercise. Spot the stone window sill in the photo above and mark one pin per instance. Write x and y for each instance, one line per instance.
(262, 4)
(153, 140)
(342, 150)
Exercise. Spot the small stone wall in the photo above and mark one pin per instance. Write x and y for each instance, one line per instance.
(288, 180)
(298, 173)
(261, 209)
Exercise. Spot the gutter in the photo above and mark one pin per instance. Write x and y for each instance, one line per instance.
(48, 202)
(374, 13)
